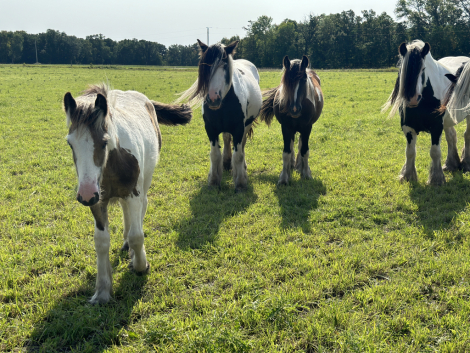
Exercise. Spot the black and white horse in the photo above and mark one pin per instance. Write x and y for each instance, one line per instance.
(116, 141)
(297, 103)
(229, 90)
(456, 107)
(419, 91)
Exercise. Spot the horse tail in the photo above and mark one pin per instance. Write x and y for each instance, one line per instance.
(267, 108)
(168, 114)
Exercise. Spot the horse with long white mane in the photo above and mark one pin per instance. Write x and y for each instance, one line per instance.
(297, 104)
(456, 107)
(231, 97)
(419, 91)
(116, 140)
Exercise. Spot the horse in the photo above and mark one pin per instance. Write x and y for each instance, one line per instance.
(418, 94)
(115, 140)
(297, 104)
(456, 107)
(231, 100)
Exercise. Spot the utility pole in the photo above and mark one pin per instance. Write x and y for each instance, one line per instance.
(35, 46)
(208, 35)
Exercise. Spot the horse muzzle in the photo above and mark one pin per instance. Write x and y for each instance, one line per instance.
(295, 111)
(88, 194)
(214, 104)
(413, 102)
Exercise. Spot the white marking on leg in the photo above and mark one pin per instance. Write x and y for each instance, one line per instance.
(215, 172)
(240, 176)
(136, 235)
(104, 279)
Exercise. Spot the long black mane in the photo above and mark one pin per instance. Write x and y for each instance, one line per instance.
(208, 62)
(412, 70)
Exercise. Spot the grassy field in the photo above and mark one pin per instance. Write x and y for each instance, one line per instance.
(351, 261)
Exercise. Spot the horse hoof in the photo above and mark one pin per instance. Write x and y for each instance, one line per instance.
(125, 247)
(140, 273)
(240, 189)
(100, 298)
(450, 168)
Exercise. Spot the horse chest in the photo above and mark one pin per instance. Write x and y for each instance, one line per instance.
(305, 120)
(120, 175)
(228, 118)
(425, 116)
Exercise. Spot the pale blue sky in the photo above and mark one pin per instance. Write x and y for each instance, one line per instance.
(167, 22)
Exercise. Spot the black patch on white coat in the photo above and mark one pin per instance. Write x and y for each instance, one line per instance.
(409, 137)
(425, 117)
(228, 118)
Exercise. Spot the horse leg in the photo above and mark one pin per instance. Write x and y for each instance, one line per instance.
(135, 237)
(452, 162)
(436, 175)
(227, 151)
(466, 149)
(292, 155)
(408, 172)
(288, 136)
(126, 223)
(104, 278)
(240, 175)
(215, 173)
(302, 157)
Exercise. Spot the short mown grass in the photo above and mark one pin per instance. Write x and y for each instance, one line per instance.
(350, 261)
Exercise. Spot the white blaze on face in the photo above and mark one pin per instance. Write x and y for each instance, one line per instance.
(88, 173)
(295, 94)
(217, 85)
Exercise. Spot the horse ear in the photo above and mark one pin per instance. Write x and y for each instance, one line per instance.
(304, 63)
(286, 63)
(101, 104)
(202, 46)
(452, 78)
(231, 48)
(425, 50)
(402, 49)
(69, 104)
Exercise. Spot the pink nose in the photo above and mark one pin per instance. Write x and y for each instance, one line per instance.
(415, 100)
(213, 96)
(88, 193)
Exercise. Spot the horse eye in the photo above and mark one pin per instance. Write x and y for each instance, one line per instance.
(105, 143)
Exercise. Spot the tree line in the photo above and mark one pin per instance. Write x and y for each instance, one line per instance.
(343, 40)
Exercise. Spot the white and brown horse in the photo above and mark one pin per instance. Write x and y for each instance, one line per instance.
(116, 141)
(418, 94)
(297, 104)
(231, 97)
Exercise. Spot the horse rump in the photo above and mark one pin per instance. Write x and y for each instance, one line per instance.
(267, 108)
(169, 114)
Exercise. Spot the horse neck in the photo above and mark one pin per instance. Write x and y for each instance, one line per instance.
(435, 72)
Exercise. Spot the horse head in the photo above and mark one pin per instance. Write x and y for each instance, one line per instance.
(294, 83)
(88, 138)
(215, 72)
(412, 76)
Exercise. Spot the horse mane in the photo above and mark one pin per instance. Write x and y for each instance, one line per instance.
(85, 115)
(410, 66)
(457, 99)
(289, 81)
(208, 63)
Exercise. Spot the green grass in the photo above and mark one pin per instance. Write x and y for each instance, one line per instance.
(350, 261)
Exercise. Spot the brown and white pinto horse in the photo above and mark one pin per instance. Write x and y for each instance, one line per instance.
(297, 103)
(116, 141)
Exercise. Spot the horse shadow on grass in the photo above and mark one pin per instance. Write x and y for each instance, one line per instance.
(75, 325)
(438, 206)
(210, 206)
(296, 200)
